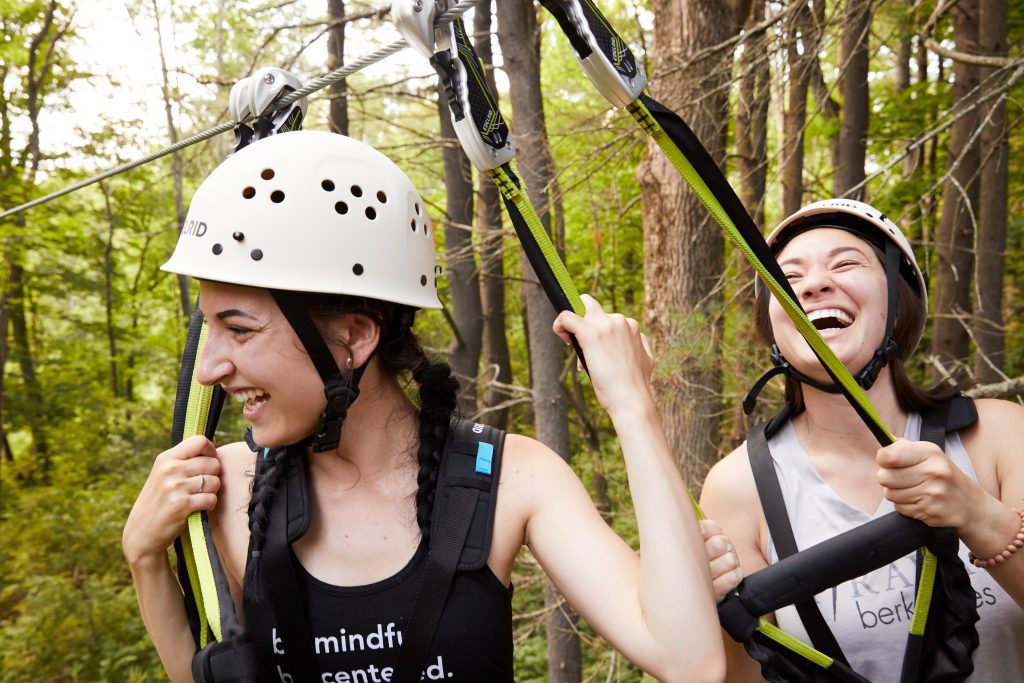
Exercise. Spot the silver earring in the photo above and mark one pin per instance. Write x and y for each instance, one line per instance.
(348, 363)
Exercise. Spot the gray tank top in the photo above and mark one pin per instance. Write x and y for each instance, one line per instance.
(870, 616)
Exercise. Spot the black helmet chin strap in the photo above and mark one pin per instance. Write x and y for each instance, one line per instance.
(341, 389)
(887, 351)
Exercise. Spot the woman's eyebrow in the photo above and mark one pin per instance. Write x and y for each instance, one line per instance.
(831, 254)
(233, 312)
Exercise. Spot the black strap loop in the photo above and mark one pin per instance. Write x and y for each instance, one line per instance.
(442, 562)
(770, 492)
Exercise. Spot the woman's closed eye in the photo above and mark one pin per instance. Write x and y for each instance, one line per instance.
(846, 264)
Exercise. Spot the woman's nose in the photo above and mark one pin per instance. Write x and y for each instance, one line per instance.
(213, 365)
(815, 281)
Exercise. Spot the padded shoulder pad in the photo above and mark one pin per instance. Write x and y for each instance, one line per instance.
(962, 413)
(297, 488)
(471, 459)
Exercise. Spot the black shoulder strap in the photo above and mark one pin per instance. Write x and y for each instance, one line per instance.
(770, 492)
(463, 502)
(282, 585)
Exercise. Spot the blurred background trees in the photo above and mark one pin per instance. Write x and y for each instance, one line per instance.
(913, 106)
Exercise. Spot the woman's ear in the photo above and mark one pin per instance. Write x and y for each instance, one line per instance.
(361, 335)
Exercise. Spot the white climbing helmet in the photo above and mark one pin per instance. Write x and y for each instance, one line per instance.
(859, 217)
(311, 211)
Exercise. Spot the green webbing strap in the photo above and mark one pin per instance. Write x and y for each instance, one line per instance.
(535, 239)
(197, 556)
(650, 125)
(770, 630)
(929, 566)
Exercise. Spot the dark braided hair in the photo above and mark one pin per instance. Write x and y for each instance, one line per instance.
(398, 353)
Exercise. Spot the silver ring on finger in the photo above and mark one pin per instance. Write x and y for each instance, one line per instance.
(202, 483)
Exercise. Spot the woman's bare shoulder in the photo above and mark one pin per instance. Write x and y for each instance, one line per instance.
(731, 478)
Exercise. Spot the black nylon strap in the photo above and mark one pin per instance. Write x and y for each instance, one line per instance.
(770, 492)
(933, 429)
(229, 661)
(689, 144)
(283, 588)
(445, 549)
(310, 337)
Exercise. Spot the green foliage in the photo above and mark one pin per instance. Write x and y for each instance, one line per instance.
(67, 609)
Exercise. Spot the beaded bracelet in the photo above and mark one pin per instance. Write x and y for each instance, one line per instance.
(1015, 544)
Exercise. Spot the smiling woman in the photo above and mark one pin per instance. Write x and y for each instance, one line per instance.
(814, 471)
(314, 255)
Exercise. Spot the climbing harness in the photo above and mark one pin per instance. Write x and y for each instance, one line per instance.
(949, 618)
(461, 528)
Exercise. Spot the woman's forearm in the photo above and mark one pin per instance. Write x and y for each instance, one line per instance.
(675, 583)
(163, 612)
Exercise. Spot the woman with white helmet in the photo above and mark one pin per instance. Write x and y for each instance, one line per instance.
(855, 275)
(313, 252)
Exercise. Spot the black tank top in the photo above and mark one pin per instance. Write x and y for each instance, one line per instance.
(357, 630)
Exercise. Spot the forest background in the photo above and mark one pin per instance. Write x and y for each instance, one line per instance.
(914, 105)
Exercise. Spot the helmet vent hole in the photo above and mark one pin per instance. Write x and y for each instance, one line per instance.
(237, 236)
(423, 280)
(256, 254)
(417, 206)
(267, 174)
(277, 196)
(328, 185)
(358, 269)
(217, 249)
(249, 192)
(381, 197)
(412, 224)
(357, 191)
(341, 207)
(371, 213)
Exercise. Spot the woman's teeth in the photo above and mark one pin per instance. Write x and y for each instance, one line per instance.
(828, 318)
(252, 396)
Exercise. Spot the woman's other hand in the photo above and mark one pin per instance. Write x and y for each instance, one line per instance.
(722, 559)
(184, 479)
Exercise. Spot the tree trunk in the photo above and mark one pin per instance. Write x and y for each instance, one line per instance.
(337, 116)
(5, 318)
(463, 282)
(492, 253)
(22, 353)
(992, 204)
(108, 298)
(853, 87)
(519, 36)
(954, 240)
(752, 153)
(684, 251)
(904, 49)
(40, 62)
(799, 62)
(184, 282)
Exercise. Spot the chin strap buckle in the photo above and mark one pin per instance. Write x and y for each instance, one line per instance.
(340, 392)
(883, 354)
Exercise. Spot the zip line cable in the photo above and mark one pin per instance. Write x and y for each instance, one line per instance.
(315, 85)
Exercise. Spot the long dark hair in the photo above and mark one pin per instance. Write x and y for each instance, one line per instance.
(398, 353)
(909, 319)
